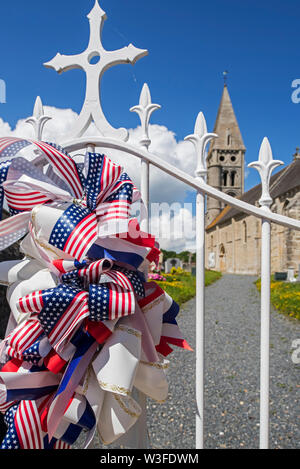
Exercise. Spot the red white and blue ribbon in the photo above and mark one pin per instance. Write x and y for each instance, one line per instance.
(99, 202)
(83, 343)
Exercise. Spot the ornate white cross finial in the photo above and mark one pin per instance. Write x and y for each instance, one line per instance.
(200, 139)
(145, 110)
(265, 165)
(94, 61)
(38, 119)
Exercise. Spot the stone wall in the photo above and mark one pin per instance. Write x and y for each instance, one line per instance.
(236, 244)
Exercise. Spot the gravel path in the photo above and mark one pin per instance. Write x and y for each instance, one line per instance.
(232, 375)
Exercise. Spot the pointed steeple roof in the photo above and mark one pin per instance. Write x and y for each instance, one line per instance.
(226, 126)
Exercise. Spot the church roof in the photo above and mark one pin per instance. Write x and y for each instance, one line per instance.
(281, 182)
(226, 124)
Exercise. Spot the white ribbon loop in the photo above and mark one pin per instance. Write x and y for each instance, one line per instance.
(151, 380)
(116, 364)
(118, 415)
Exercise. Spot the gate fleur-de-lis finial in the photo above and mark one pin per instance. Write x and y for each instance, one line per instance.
(38, 119)
(94, 61)
(144, 111)
(200, 138)
(265, 165)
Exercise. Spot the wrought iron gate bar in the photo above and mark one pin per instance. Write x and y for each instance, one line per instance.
(103, 142)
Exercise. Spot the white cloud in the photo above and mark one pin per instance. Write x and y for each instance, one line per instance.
(5, 129)
(163, 188)
(174, 226)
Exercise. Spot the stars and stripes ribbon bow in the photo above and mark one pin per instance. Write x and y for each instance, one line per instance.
(82, 338)
(25, 429)
(96, 202)
(107, 293)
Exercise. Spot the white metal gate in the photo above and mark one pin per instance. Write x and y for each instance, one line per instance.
(111, 138)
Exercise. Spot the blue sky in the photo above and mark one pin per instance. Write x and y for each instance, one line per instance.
(190, 43)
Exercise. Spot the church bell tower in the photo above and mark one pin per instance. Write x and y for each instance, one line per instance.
(226, 157)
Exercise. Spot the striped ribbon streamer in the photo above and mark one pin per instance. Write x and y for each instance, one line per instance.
(102, 199)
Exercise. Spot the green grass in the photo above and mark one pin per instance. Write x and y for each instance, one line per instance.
(181, 286)
(285, 297)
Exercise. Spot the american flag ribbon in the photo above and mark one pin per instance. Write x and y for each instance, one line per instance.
(64, 166)
(132, 247)
(64, 266)
(23, 380)
(23, 337)
(75, 231)
(110, 301)
(59, 311)
(98, 202)
(31, 303)
(4, 166)
(28, 426)
(25, 429)
(9, 148)
(76, 368)
(66, 208)
(64, 309)
(24, 202)
(94, 271)
(102, 175)
(170, 332)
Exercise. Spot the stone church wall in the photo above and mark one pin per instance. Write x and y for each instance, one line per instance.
(237, 244)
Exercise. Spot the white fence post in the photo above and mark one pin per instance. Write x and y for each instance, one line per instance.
(200, 139)
(144, 111)
(265, 165)
(200, 318)
(265, 333)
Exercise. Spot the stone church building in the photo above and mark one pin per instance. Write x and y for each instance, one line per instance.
(233, 238)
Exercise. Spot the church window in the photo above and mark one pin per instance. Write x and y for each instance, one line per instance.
(233, 158)
(222, 158)
(232, 177)
(225, 174)
(245, 232)
(222, 250)
(285, 207)
(228, 137)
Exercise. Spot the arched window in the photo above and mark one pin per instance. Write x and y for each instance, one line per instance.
(285, 207)
(232, 178)
(225, 176)
(228, 136)
(222, 250)
(245, 232)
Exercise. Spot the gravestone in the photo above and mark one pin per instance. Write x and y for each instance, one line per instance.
(212, 260)
(170, 263)
(291, 275)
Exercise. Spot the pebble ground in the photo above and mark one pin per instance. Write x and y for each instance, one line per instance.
(232, 331)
